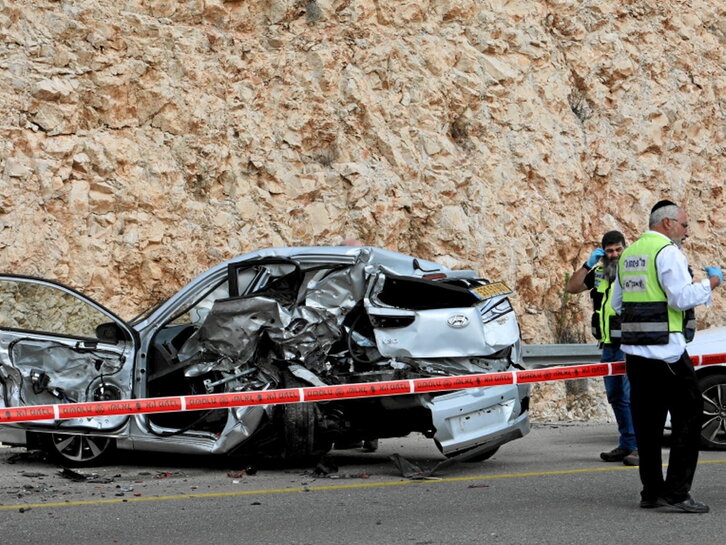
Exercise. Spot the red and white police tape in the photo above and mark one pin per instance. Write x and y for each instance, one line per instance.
(319, 393)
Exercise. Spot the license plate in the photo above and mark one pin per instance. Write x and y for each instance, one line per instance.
(492, 290)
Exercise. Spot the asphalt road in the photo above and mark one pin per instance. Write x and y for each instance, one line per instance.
(548, 488)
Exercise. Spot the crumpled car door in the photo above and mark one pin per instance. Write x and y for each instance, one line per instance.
(57, 346)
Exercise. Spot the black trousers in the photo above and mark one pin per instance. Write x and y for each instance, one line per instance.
(657, 388)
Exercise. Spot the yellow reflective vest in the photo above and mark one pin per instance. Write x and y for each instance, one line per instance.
(605, 321)
(646, 316)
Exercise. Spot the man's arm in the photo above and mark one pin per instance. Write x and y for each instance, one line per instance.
(677, 283)
(576, 283)
(579, 282)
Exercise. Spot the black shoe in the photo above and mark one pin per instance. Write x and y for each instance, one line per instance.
(615, 455)
(689, 505)
(652, 504)
(632, 459)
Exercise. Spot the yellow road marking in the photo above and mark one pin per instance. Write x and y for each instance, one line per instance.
(332, 487)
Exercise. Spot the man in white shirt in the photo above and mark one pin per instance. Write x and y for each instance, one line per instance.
(654, 292)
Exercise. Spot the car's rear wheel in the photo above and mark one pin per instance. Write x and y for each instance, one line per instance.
(713, 429)
(78, 450)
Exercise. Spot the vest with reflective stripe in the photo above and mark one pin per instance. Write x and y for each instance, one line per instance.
(646, 316)
(605, 321)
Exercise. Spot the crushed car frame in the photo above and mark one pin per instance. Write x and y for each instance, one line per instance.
(275, 318)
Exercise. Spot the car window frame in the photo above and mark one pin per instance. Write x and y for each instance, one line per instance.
(112, 317)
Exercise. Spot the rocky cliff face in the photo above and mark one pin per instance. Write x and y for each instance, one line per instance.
(142, 141)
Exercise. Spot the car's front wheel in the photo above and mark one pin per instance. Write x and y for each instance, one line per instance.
(713, 429)
(78, 450)
(304, 438)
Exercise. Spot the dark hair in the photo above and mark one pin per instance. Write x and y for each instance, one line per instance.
(661, 204)
(612, 237)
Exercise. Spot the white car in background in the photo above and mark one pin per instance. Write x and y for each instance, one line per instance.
(282, 317)
(712, 381)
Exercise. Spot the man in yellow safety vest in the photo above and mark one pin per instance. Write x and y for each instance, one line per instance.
(597, 275)
(654, 293)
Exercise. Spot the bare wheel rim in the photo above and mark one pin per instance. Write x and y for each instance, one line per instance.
(714, 415)
(80, 448)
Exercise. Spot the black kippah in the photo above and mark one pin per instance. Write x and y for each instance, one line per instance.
(661, 204)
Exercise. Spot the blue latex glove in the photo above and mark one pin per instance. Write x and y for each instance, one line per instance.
(714, 271)
(595, 256)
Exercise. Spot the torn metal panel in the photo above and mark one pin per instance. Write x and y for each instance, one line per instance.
(234, 328)
(338, 292)
(308, 336)
(241, 423)
(53, 372)
(305, 374)
(11, 380)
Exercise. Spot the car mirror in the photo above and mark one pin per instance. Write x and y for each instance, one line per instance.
(109, 332)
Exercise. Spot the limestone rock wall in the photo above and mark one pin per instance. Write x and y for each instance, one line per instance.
(142, 141)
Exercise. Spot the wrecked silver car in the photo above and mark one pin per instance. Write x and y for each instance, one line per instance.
(269, 319)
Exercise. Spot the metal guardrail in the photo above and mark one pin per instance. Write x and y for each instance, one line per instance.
(548, 355)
